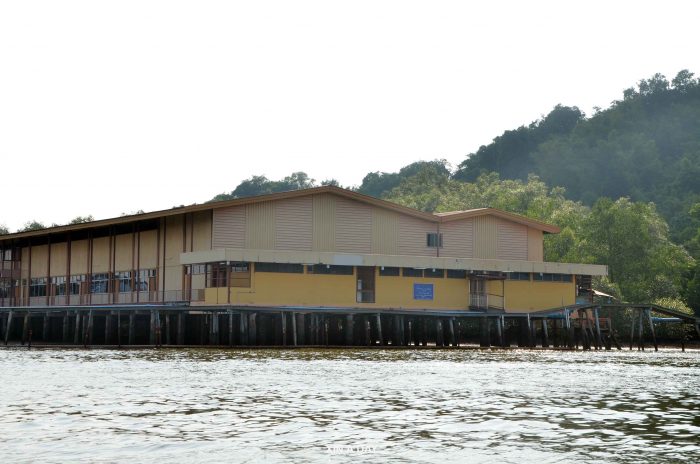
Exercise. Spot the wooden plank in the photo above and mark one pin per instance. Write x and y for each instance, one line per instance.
(651, 328)
(8, 326)
(378, 319)
(252, 329)
(294, 329)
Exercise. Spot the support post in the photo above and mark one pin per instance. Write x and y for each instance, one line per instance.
(152, 331)
(294, 329)
(167, 329)
(243, 329)
(379, 329)
(108, 328)
(499, 330)
(119, 328)
(349, 329)
(283, 315)
(26, 328)
(453, 341)
(651, 327)
(632, 331)
(180, 328)
(76, 335)
(641, 331)
(8, 326)
(440, 335)
(325, 329)
(66, 328)
(45, 327)
(230, 328)
(90, 324)
(214, 329)
(545, 334)
(368, 331)
(301, 329)
(599, 339)
(485, 341)
(252, 329)
(132, 328)
(528, 325)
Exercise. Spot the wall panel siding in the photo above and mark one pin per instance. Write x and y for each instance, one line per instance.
(229, 228)
(485, 233)
(202, 231)
(123, 253)
(385, 232)
(294, 224)
(100, 255)
(535, 248)
(79, 257)
(324, 229)
(413, 235)
(512, 240)
(59, 258)
(173, 248)
(260, 226)
(40, 255)
(353, 222)
(458, 238)
(148, 250)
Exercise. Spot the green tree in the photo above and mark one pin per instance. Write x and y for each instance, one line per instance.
(3, 230)
(82, 219)
(32, 225)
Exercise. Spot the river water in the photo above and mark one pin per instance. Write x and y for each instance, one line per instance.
(327, 406)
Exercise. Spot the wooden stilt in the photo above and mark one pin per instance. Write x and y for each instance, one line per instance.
(458, 325)
(555, 333)
(230, 328)
(108, 329)
(368, 331)
(180, 338)
(326, 325)
(243, 329)
(545, 334)
(632, 330)
(453, 341)
(349, 329)
(132, 327)
(424, 332)
(379, 330)
(599, 339)
(499, 330)
(119, 328)
(485, 341)
(26, 328)
(167, 329)
(76, 335)
(651, 328)
(90, 325)
(440, 335)
(641, 331)
(283, 320)
(253, 329)
(529, 342)
(570, 335)
(152, 332)
(8, 326)
(300, 329)
(294, 329)
(45, 327)
(66, 328)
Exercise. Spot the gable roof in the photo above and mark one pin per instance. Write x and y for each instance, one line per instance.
(438, 217)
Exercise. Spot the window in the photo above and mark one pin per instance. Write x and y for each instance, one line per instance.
(329, 269)
(456, 274)
(519, 276)
(548, 277)
(280, 267)
(123, 280)
(411, 272)
(434, 240)
(197, 269)
(146, 280)
(435, 273)
(216, 275)
(59, 285)
(76, 282)
(389, 271)
(99, 283)
(240, 267)
(37, 287)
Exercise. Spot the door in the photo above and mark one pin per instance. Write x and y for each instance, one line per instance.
(477, 293)
(365, 284)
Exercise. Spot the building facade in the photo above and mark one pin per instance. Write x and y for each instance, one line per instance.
(320, 247)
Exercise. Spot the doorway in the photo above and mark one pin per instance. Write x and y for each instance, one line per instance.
(366, 284)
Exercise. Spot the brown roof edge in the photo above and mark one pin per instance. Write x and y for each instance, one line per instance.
(445, 217)
(224, 204)
(534, 223)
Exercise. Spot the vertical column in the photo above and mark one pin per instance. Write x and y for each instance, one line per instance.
(152, 331)
(45, 327)
(651, 328)
(76, 335)
(243, 329)
(294, 329)
(485, 341)
(8, 326)
(301, 329)
(451, 322)
(230, 328)
(439, 333)
(132, 328)
(180, 328)
(66, 327)
(641, 330)
(26, 328)
(252, 329)
(167, 329)
(108, 328)
(349, 329)
(379, 329)
(545, 334)
(499, 330)
(283, 320)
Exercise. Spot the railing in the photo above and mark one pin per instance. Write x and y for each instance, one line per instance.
(486, 301)
(195, 295)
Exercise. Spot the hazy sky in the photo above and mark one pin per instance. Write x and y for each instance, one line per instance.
(111, 107)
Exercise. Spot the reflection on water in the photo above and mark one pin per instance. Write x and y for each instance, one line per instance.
(348, 406)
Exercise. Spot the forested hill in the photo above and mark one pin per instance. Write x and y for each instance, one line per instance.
(645, 146)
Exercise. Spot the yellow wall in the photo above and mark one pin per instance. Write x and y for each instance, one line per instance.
(524, 296)
(287, 289)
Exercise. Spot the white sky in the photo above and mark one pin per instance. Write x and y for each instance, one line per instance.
(111, 107)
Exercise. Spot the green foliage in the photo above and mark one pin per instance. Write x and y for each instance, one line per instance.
(261, 185)
(82, 219)
(32, 225)
(4, 230)
(378, 184)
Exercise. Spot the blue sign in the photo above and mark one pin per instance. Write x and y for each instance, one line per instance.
(423, 291)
